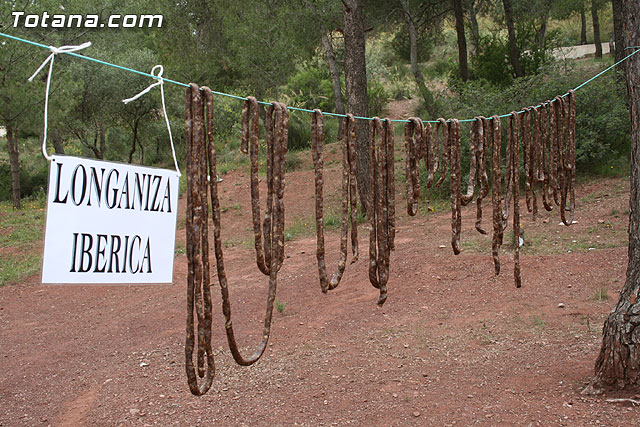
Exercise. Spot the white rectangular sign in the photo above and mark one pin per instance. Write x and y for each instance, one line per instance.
(109, 223)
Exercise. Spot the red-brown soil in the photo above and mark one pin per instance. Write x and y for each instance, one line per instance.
(453, 345)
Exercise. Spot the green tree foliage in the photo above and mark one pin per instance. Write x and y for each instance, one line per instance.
(273, 50)
(602, 119)
(492, 63)
(401, 47)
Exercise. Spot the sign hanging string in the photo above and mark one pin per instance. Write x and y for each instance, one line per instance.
(160, 82)
(54, 50)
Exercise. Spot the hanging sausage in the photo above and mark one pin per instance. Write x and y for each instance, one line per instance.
(415, 149)
(349, 197)
(198, 292)
(482, 148)
(379, 202)
(455, 184)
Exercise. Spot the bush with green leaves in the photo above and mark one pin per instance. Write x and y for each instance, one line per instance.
(602, 117)
(31, 181)
(603, 140)
(310, 87)
(492, 62)
(299, 132)
(378, 97)
(401, 46)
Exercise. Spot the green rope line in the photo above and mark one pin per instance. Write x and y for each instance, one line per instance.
(99, 61)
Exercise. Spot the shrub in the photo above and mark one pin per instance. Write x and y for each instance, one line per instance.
(311, 87)
(299, 132)
(401, 46)
(5, 181)
(441, 67)
(492, 63)
(602, 121)
(31, 181)
(602, 124)
(377, 97)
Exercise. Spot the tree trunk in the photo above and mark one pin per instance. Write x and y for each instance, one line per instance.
(541, 34)
(356, 81)
(514, 52)
(596, 28)
(426, 94)
(618, 364)
(617, 33)
(583, 26)
(14, 164)
(335, 78)
(58, 146)
(141, 150)
(134, 142)
(463, 65)
(103, 142)
(474, 28)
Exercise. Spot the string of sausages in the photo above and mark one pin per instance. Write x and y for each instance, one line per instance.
(349, 197)
(415, 147)
(480, 136)
(201, 165)
(198, 291)
(381, 203)
(545, 134)
(550, 155)
(543, 137)
(513, 152)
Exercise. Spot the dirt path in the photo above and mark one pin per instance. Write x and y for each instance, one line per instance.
(402, 109)
(453, 345)
(579, 51)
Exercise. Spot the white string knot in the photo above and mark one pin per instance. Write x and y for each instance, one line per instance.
(50, 59)
(160, 82)
(158, 77)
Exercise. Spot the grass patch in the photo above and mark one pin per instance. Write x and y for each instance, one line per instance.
(306, 226)
(332, 220)
(20, 228)
(293, 162)
(602, 294)
(301, 226)
(280, 306)
(21, 231)
(231, 161)
(232, 243)
(478, 244)
(434, 205)
(539, 322)
(588, 199)
(180, 249)
(235, 207)
(15, 267)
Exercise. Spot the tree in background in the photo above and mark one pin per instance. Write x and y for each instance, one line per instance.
(17, 108)
(321, 12)
(618, 364)
(583, 24)
(541, 33)
(596, 27)
(355, 71)
(474, 28)
(618, 35)
(463, 64)
(416, 17)
(514, 52)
